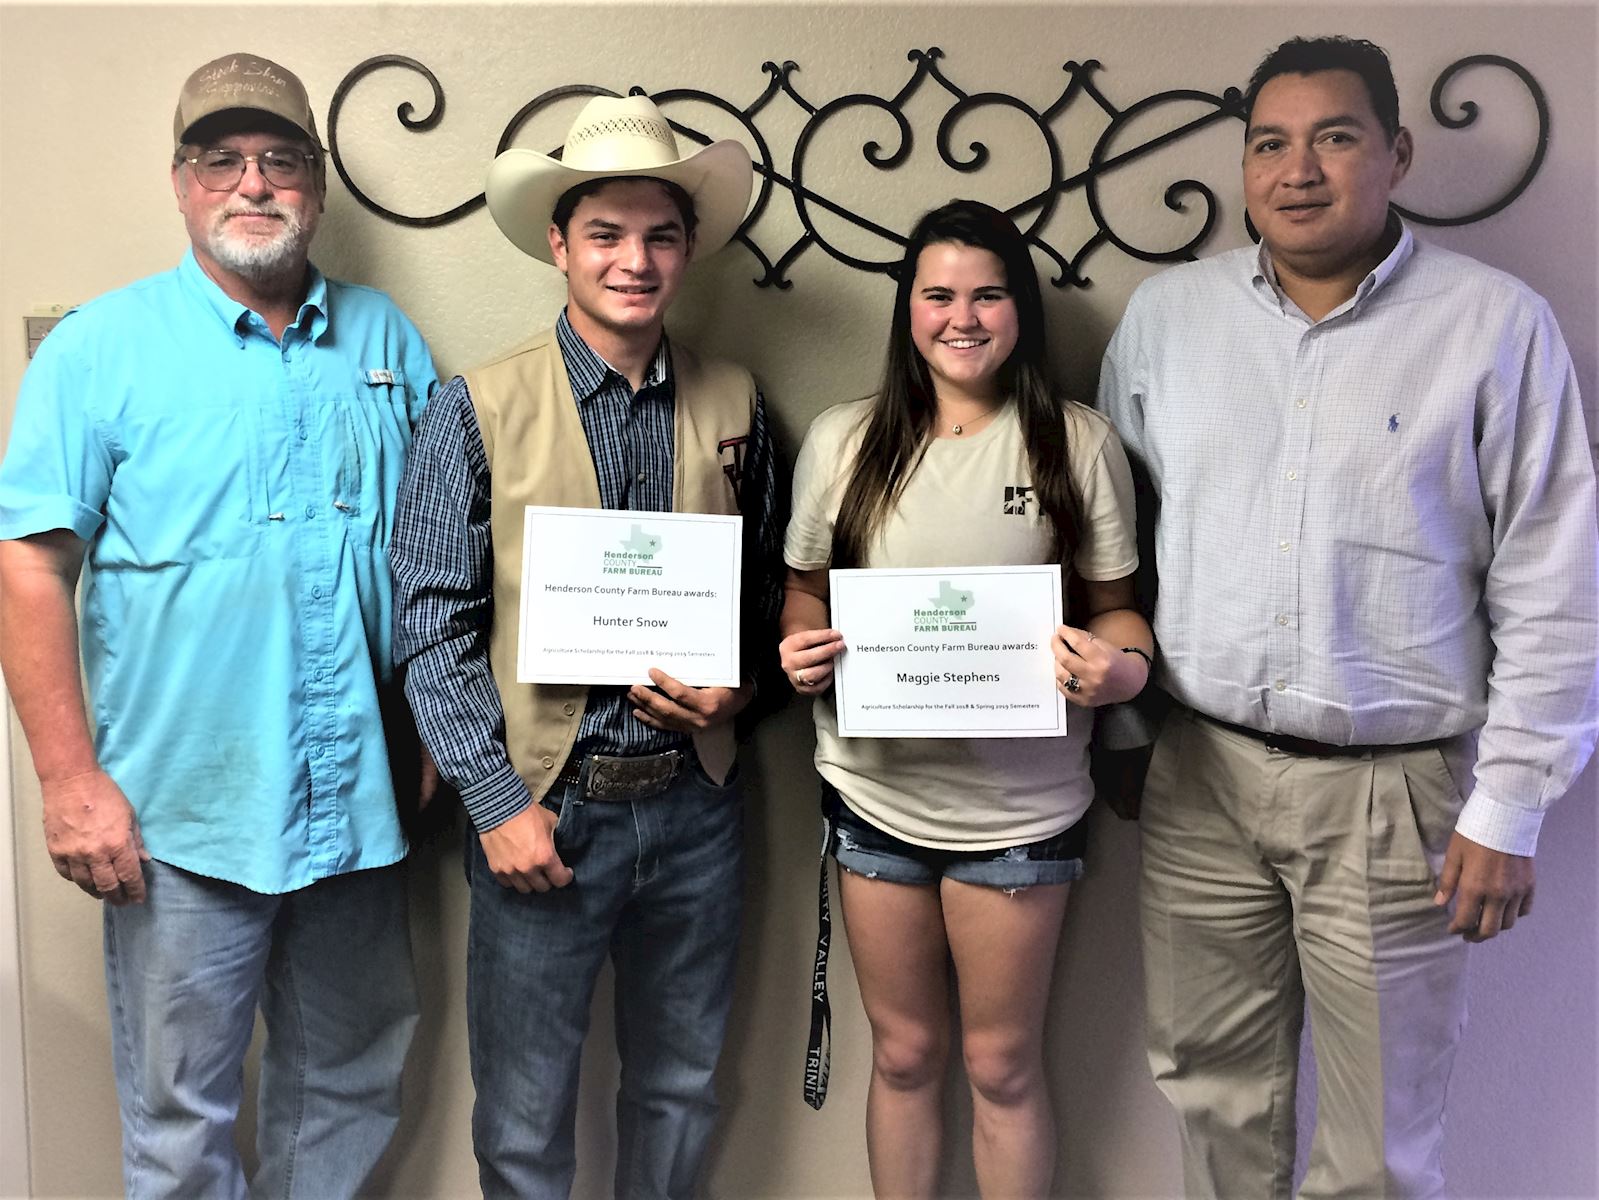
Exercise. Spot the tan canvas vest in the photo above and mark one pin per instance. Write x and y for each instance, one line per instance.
(538, 454)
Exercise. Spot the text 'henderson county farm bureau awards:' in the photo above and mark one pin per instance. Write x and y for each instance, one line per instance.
(624, 590)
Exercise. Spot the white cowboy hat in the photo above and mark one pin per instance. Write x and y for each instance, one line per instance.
(625, 136)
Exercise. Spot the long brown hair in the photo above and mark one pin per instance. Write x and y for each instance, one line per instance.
(900, 426)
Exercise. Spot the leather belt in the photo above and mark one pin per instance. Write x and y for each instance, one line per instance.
(1287, 743)
(618, 777)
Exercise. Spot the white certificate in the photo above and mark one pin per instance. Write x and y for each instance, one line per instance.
(607, 594)
(948, 652)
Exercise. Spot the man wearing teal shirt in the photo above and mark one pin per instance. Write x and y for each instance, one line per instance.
(220, 445)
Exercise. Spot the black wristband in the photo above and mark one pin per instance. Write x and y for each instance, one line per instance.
(1141, 654)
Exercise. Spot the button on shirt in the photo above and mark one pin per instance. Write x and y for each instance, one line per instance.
(631, 437)
(237, 496)
(1374, 528)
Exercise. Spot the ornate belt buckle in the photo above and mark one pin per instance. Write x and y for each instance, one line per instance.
(613, 777)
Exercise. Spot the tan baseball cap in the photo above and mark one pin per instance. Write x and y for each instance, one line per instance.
(243, 81)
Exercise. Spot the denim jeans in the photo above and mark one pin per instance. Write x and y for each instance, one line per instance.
(657, 886)
(330, 966)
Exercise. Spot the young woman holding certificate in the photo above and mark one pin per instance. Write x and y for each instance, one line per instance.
(954, 847)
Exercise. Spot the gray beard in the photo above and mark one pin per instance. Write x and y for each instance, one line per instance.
(262, 262)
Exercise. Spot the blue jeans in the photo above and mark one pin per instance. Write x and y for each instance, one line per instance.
(658, 887)
(330, 966)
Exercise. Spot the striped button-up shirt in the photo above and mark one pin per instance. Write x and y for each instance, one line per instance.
(1374, 528)
(442, 632)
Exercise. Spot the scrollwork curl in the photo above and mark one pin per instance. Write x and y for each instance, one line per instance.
(1033, 214)
(1101, 162)
(1468, 116)
(405, 114)
(872, 152)
(980, 152)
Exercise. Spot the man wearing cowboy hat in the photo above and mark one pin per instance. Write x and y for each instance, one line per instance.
(221, 445)
(607, 820)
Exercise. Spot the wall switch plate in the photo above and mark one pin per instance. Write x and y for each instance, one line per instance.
(40, 320)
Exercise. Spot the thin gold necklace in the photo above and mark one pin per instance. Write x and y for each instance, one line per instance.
(959, 429)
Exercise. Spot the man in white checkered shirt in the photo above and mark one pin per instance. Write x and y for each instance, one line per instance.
(1376, 549)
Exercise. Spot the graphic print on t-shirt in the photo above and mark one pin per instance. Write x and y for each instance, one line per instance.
(1017, 497)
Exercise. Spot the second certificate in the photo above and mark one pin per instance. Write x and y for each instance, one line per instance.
(947, 652)
(608, 594)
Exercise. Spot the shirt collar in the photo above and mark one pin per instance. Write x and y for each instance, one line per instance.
(589, 373)
(1263, 275)
(312, 317)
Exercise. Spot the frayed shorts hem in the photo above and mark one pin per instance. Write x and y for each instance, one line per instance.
(863, 849)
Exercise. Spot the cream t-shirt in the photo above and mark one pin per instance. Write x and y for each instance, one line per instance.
(969, 503)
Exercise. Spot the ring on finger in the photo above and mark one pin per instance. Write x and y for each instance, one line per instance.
(1073, 684)
(799, 677)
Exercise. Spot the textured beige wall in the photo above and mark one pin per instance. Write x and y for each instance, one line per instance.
(85, 98)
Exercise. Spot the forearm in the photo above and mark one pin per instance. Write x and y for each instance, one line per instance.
(39, 654)
(442, 557)
(442, 616)
(1529, 752)
(1123, 627)
(802, 611)
(460, 719)
(1539, 595)
(90, 830)
(1128, 673)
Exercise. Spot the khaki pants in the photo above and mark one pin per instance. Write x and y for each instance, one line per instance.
(1271, 877)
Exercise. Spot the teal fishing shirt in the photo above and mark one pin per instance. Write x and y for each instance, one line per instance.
(236, 494)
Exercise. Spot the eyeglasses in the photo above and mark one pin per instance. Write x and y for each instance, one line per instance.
(221, 170)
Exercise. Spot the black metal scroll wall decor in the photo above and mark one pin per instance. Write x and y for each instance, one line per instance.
(1031, 214)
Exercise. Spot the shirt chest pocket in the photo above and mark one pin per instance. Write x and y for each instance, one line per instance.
(192, 485)
(1403, 481)
(361, 440)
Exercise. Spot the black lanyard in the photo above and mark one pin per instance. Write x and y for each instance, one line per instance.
(819, 1053)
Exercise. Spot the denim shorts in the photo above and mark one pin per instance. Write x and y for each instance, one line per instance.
(864, 849)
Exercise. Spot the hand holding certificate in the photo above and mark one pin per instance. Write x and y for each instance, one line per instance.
(948, 652)
(607, 594)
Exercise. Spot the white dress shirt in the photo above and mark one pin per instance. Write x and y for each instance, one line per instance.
(1374, 528)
